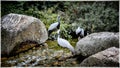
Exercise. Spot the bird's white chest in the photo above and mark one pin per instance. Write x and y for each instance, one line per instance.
(53, 26)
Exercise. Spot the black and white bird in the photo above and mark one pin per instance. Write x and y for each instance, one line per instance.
(54, 26)
(64, 43)
(80, 32)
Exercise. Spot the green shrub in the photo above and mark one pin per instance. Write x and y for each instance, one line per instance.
(94, 16)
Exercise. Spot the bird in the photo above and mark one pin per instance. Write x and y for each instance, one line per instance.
(80, 32)
(54, 26)
(64, 43)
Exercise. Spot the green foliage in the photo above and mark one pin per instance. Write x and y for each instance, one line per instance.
(93, 16)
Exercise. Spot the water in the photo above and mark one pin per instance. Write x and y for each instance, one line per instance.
(44, 56)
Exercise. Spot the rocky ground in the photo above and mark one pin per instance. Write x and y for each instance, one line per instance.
(50, 54)
(40, 55)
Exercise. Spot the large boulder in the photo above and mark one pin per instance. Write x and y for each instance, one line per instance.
(96, 42)
(106, 58)
(17, 28)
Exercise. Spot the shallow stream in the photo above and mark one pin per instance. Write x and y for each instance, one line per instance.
(46, 56)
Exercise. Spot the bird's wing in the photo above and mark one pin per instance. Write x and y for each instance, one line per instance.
(62, 42)
(82, 32)
(65, 43)
(78, 30)
(53, 26)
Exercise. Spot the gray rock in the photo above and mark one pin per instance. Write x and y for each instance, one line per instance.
(106, 58)
(96, 42)
(17, 28)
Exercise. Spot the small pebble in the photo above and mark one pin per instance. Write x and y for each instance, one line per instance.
(62, 62)
(74, 62)
(57, 57)
(47, 65)
(45, 44)
(62, 58)
(55, 63)
(4, 58)
(33, 48)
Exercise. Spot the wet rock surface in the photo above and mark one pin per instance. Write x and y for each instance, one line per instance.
(96, 42)
(40, 56)
(17, 28)
(106, 58)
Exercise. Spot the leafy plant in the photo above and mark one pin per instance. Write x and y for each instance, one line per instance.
(92, 16)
